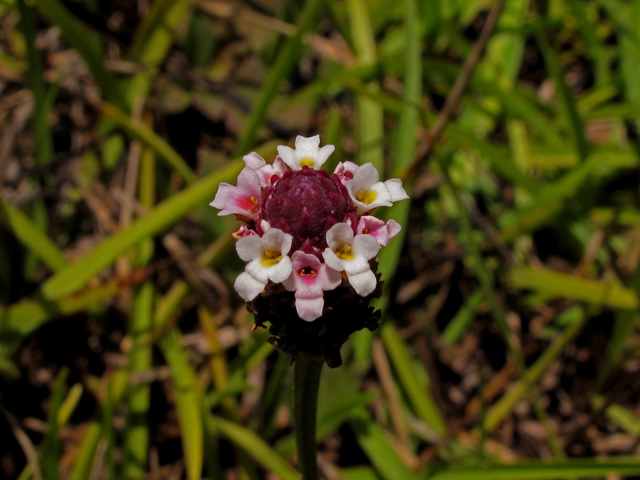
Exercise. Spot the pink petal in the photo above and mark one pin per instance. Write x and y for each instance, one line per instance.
(243, 232)
(376, 227)
(243, 199)
(254, 161)
(309, 309)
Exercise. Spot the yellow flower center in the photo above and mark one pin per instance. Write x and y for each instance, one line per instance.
(344, 252)
(367, 197)
(307, 162)
(269, 259)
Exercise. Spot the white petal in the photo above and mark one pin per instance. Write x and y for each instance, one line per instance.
(309, 309)
(249, 248)
(332, 260)
(358, 265)
(365, 177)
(224, 189)
(281, 271)
(275, 240)
(249, 181)
(258, 271)
(383, 199)
(290, 282)
(248, 287)
(289, 156)
(254, 161)
(329, 278)
(338, 235)
(363, 283)
(365, 245)
(394, 228)
(322, 155)
(307, 147)
(396, 191)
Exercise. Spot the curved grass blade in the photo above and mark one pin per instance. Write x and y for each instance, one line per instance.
(188, 404)
(88, 45)
(165, 214)
(256, 447)
(31, 236)
(286, 60)
(538, 470)
(149, 138)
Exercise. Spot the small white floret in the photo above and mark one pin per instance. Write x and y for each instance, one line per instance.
(306, 154)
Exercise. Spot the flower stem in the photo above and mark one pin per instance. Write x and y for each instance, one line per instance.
(307, 370)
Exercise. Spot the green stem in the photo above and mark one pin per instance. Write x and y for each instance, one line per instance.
(307, 371)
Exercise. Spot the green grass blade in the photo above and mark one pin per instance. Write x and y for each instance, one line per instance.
(625, 419)
(538, 470)
(256, 447)
(88, 45)
(50, 452)
(150, 139)
(188, 404)
(499, 411)
(25, 316)
(417, 391)
(285, 62)
(136, 438)
(387, 462)
(31, 236)
(43, 136)
(370, 114)
(564, 285)
(575, 123)
(165, 214)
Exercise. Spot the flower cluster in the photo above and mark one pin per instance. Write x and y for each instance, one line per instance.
(308, 232)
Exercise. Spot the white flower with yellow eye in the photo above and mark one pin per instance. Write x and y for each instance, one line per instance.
(351, 253)
(268, 260)
(306, 154)
(368, 192)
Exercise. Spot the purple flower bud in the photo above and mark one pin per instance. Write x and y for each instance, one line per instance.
(306, 203)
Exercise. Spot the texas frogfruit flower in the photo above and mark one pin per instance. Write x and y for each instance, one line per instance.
(310, 243)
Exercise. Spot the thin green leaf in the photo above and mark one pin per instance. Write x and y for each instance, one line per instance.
(538, 470)
(417, 391)
(31, 236)
(565, 285)
(150, 139)
(256, 447)
(165, 214)
(285, 62)
(88, 45)
(188, 404)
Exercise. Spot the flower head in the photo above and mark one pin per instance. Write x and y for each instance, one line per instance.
(310, 244)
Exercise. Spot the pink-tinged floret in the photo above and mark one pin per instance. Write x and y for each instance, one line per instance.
(306, 203)
(243, 199)
(345, 171)
(383, 232)
(267, 173)
(309, 279)
(243, 231)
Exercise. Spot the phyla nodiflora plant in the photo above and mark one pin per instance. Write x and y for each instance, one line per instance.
(310, 243)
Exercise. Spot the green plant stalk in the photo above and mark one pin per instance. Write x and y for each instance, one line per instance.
(307, 369)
